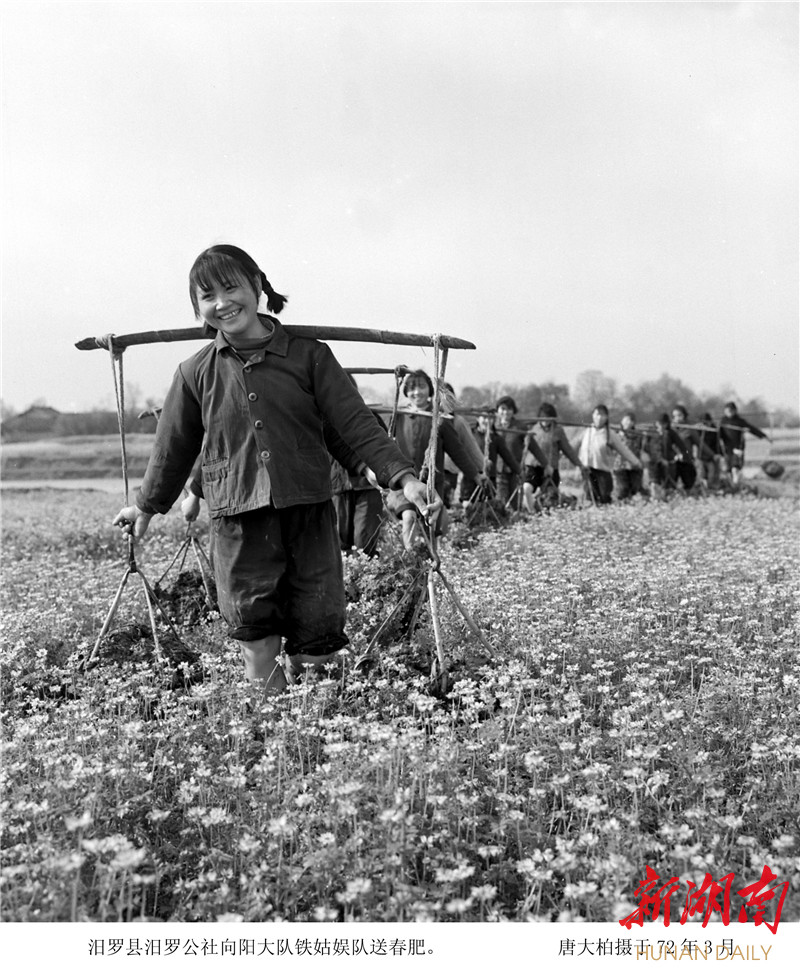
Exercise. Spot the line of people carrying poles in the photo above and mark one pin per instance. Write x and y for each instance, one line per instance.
(260, 412)
(515, 464)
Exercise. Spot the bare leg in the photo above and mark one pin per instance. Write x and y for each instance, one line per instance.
(527, 490)
(298, 663)
(261, 665)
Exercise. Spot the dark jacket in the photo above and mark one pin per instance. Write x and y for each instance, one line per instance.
(543, 447)
(707, 443)
(731, 433)
(634, 439)
(666, 447)
(514, 438)
(413, 431)
(497, 447)
(265, 428)
(691, 439)
(343, 479)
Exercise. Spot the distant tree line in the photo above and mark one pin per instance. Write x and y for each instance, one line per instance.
(35, 423)
(41, 421)
(647, 400)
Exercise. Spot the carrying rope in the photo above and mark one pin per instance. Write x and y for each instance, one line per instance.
(431, 454)
(419, 590)
(119, 397)
(118, 375)
(399, 373)
(151, 598)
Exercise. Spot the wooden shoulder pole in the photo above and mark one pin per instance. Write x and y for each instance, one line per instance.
(320, 332)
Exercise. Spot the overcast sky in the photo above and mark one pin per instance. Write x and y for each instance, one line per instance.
(571, 186)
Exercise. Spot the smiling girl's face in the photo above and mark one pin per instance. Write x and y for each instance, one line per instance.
(599, 419)
(417, 394)
(505, 414)
(230, 306)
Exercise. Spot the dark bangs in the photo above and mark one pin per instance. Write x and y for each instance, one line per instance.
(417, 377)
(212, 268)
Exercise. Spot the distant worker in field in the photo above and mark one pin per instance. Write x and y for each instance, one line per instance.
(265, 408)
(491, 447)
(513, 433)
(686, 466)
(452, 474)
(731, 437)
(664, 448)
(628, 479)
(543, 446)
(598, 450)
(708, 457)
(412, 434)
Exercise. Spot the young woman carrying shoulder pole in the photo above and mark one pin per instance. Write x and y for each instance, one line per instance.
(264, 409)
(597, 454)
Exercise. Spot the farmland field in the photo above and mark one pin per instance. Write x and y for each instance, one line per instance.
(639, 707)
(81, 457)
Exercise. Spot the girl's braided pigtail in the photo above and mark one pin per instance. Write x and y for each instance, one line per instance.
(275, 301)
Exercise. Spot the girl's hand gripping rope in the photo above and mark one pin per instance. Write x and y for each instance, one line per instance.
(133, 521)
(416, 492)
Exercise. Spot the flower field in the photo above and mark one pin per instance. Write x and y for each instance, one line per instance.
(640, 707)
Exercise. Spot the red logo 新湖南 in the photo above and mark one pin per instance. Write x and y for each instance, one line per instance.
(709, 898)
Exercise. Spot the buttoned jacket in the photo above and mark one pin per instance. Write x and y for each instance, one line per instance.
(265, 424)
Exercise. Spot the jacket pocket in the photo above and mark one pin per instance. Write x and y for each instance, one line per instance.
(215, 483)
(215, 469)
